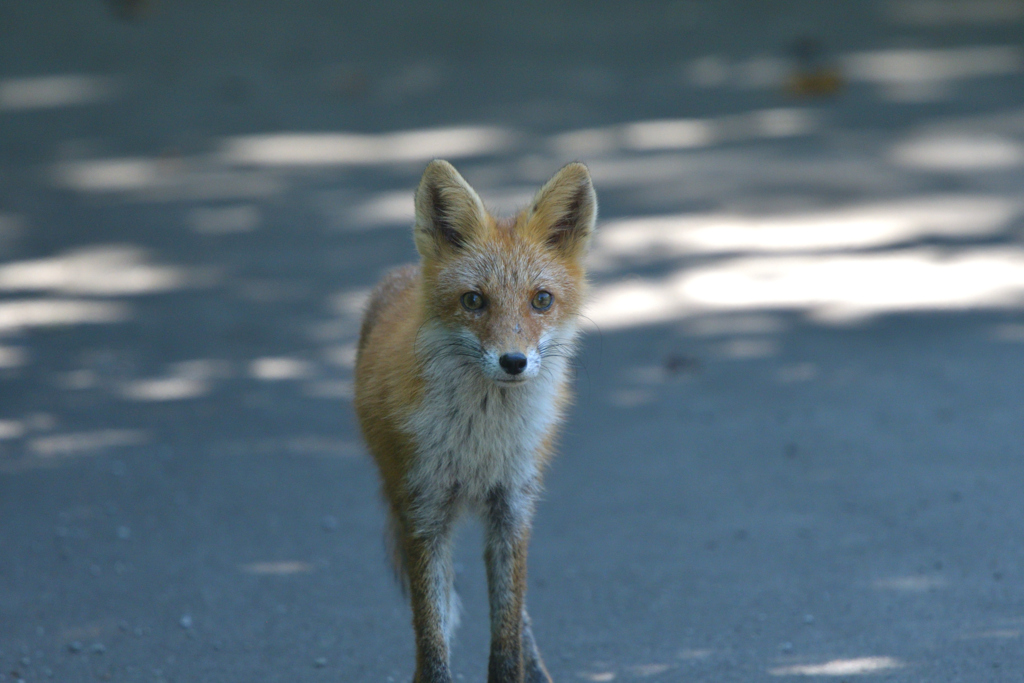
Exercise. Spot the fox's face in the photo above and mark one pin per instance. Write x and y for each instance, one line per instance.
(510, 305)
(506, 293)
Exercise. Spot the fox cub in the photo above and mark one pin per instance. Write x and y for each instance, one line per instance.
(461, 384)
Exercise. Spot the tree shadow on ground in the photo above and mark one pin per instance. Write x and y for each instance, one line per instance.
(799, 406)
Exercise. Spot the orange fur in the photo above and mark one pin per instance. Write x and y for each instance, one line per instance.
(459, 404)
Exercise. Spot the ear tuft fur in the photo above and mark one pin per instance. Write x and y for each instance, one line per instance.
(565, 210)
(449, 213)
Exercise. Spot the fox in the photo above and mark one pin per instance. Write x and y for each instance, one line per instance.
(462, 381)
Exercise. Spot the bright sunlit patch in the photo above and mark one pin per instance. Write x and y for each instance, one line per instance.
(275, 369)
(840, 667)
(962, 152)
(915, 66)
(351, 303)
(638, 302)
(853, 227)
(855, 286)
(11, 429)
(587, 142)
(672, 134)
(47, 92)
(679, 134)
(27, 313)
(79, 443)
(108, 270)
(343, 355)
(165, 389)
(184, 381)
(109, 175)
(645, 670)
(385, 209)
(911, 584)
(284, 568)
(166, 179)
(923, 75)
(780, 123)
(12, 356)
(598, 676)
(836, 289)
(354, 149)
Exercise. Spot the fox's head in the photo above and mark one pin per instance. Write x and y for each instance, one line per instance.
(507, 292)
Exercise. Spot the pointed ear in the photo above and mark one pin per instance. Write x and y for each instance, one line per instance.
(564, 211)
(449, 213)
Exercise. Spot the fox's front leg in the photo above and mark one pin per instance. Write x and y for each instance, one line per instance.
(514, 657)
(428, 557)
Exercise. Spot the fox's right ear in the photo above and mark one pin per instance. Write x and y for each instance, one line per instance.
(449, 213)
(564, 211)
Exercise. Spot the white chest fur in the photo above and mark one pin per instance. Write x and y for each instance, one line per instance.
(473, 434)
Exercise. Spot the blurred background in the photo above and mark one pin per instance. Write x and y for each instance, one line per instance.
(796, 449)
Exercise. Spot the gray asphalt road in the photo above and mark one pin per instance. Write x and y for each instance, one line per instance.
(796, 450)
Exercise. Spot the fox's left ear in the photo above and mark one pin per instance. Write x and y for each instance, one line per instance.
(564, 211)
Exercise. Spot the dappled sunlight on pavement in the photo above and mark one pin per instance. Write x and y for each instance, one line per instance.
(339, 149)
(279, 568)
(53, 450)
(864, 226)
(47, 92)
(164, 179)
(840, 667)
(836, 289)
(674, 134)
(929, 74)
(107, 270)
(18, 315)
(794, 450)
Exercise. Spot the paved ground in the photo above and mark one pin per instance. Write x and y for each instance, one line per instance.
(797, 445)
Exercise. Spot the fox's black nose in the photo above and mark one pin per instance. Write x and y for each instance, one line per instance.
(512, 363)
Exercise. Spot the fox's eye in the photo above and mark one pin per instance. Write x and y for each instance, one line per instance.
(542, 300)
(472, 301)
